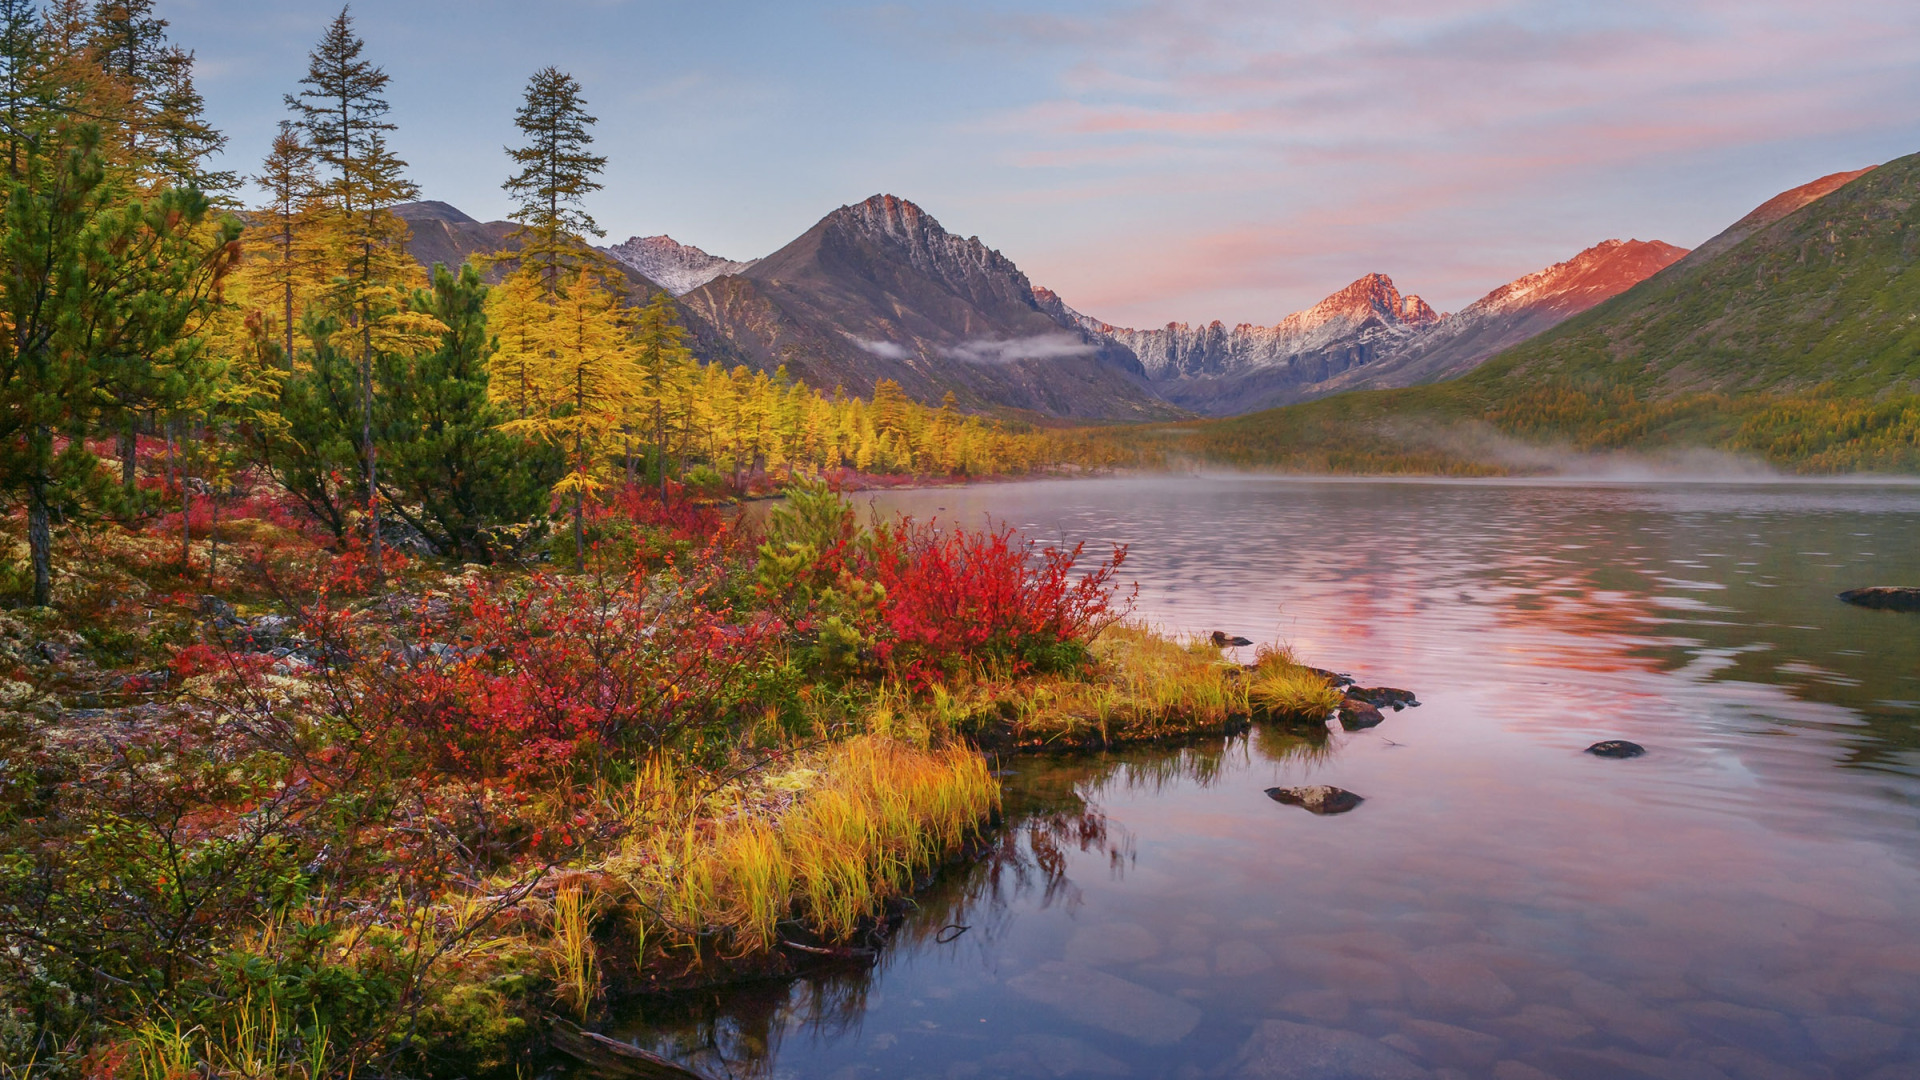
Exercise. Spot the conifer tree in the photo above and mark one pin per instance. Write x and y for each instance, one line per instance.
(289, 179)
(180, 140)
(25, 91)
(90, 274)
(342, 111)
(557, 172)
(583, 387)
(448, 456)
(663, 358)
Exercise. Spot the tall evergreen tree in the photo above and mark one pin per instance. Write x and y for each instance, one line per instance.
(447, 456)
(342, 111)
(24, 88)
(180, 140)
(90, 274)
(557, 172)
(660, 346)
(289, 179)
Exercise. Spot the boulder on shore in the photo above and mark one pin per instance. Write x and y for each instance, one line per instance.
(1884, 598)
(1321, 799)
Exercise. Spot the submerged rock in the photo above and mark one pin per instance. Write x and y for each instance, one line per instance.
(1280, 1050)
(1107, 1002)
(1357, 714)
(1319, 798)
(1616, 748)
(1884, 598)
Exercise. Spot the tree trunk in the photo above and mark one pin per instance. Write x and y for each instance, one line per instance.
(579, 532)
(186, 524)
(373, 454)
(660, 445)
(213, 541)
(129, 454)
(40, 541)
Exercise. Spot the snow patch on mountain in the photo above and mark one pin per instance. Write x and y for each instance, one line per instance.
(676, 267)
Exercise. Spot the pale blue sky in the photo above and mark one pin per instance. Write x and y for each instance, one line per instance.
(1152, 161)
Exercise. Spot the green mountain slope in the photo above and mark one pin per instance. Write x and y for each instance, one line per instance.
(1795, 340)
(1829, 294)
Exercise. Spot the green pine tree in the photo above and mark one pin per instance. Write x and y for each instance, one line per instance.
(94, 280)
(450, 471)
(557, 172)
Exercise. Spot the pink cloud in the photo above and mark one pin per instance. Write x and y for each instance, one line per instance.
(1258, 152)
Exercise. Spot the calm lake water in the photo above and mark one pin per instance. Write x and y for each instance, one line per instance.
(1743, 902)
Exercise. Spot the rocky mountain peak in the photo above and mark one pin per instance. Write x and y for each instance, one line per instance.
(676, 267)
(1371, 297)
(892, 222)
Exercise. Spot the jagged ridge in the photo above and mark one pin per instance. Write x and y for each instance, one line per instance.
(676, 267)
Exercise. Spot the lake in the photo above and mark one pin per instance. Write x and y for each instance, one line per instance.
(1743, 902)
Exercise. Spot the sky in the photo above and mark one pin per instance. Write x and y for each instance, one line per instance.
(1151, 161)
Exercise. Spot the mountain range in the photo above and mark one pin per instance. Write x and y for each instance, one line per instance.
(1793, 336)
(879, 289)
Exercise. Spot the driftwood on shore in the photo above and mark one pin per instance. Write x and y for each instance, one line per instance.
(614, 1059)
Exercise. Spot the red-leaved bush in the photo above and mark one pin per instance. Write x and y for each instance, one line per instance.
(555, 666)
(954, 595)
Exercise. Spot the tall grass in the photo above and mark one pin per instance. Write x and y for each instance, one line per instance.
(1281, 688)
(575, 960)
(823, 848)
(252, 1043)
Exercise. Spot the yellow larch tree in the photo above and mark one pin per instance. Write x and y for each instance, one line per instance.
(578, 385)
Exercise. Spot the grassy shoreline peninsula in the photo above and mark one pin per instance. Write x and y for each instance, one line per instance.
(337, 819)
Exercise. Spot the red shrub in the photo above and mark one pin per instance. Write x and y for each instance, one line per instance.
(562, 666)
(954, 595)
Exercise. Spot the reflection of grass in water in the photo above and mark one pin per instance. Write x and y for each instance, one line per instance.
(1052, 813)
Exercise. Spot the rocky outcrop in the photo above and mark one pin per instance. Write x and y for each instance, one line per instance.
(676, 267)
(1616, 748)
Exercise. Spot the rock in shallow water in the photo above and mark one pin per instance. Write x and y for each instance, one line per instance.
(1279, 1050)
(1616, 748)
(1358, 715)
(1384, 697)
(1107, 1002)
(1884, 598)
(1320, 798)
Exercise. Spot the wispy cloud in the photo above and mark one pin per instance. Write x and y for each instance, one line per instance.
(1039, 347)
(1326, 137)
(885, 350)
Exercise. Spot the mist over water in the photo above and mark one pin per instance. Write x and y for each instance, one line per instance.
(1739, 903)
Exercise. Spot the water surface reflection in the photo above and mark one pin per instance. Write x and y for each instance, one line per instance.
(1740, 903)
